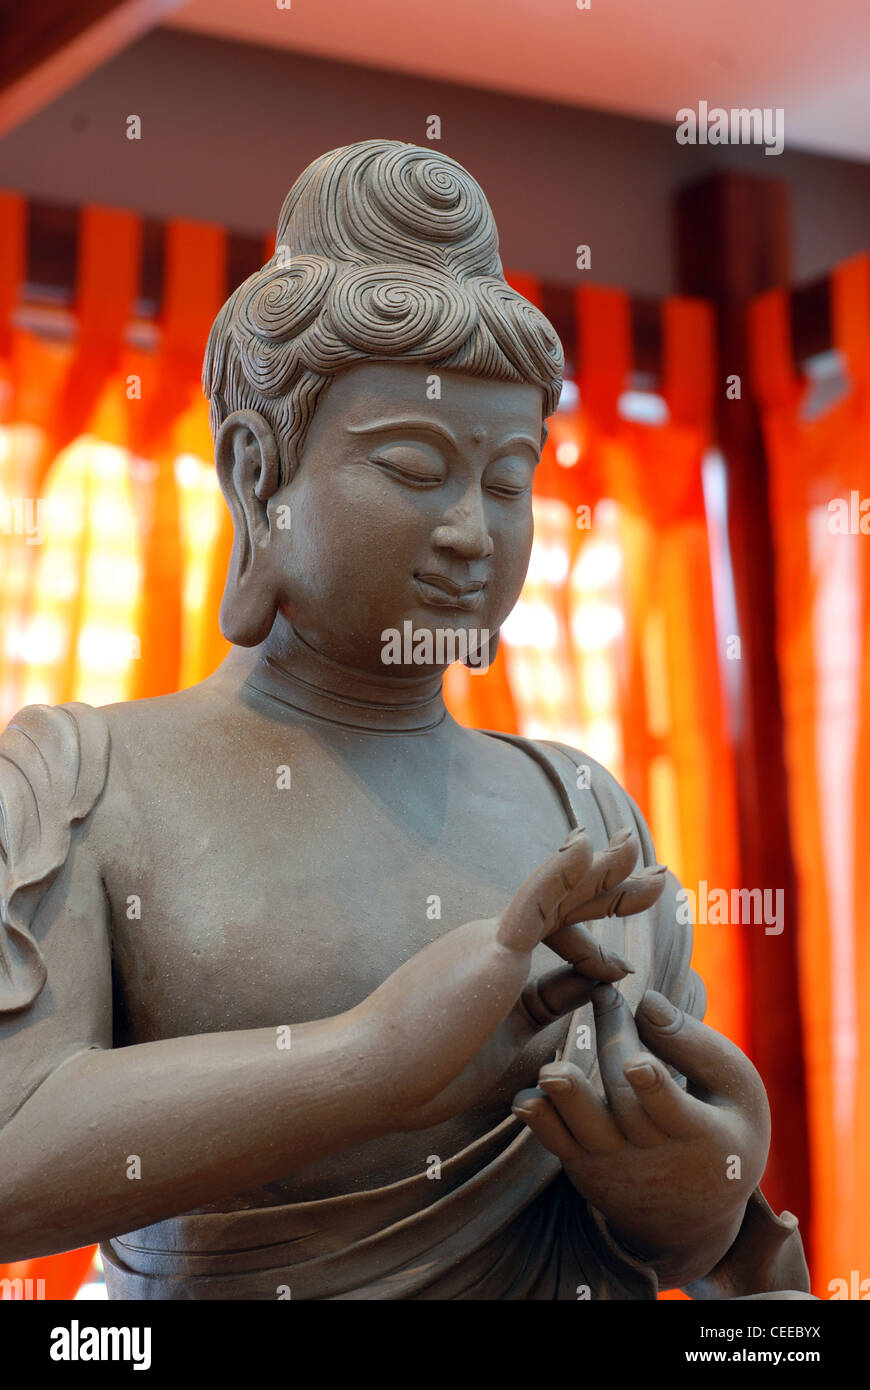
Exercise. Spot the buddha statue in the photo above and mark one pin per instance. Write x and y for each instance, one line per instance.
(306, 990)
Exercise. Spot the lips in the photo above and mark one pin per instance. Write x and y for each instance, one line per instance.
(442, 592)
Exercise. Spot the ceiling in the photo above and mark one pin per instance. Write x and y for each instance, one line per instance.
(644, 58)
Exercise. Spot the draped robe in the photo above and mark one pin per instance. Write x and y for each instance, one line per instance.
(501, 1221)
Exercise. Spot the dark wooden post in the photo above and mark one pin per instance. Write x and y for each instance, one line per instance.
(732, 237)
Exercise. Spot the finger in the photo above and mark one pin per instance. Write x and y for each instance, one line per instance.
(611, 865)
(633, 894)
(618, 1043)
(535, 1109)
(667, 1105)
(577, 945)
(534, 909)
(553, 995)
(714, 1067)
(606, 870)
(580, 1108)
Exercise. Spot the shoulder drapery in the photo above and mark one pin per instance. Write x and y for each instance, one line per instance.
(53, 766)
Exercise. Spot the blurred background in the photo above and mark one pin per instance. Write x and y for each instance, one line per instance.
(697, 610)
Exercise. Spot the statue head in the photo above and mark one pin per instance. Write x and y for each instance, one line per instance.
(377, 381)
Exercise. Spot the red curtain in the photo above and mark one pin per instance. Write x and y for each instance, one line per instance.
(819, 468)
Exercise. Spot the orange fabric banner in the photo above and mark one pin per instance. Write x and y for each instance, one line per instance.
(819, 471)
(13, 251)
(194, 289)
(678, 757)
(53, 1277)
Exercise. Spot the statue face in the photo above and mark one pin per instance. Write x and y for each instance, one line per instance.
(407, 509)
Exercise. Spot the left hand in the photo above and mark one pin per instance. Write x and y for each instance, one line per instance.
(669, 1169)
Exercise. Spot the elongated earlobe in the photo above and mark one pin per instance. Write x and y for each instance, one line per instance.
(247, 462)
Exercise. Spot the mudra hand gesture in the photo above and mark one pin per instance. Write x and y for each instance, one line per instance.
(669, 1166)
(457, 1014)
(450, 1021)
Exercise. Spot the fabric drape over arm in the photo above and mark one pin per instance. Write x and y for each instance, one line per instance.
(53, 765)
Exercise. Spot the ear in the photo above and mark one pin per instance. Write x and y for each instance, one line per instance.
(247, 462)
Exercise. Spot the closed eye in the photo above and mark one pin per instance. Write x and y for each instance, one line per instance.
(508, 489)
(509, 478)
(408, 475)
(410, 466)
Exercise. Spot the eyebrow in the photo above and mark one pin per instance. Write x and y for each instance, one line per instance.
(430, 427)
(521, 439)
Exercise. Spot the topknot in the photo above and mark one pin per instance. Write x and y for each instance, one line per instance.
(387, 252)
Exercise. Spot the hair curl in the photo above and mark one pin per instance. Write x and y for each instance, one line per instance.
(385, 252)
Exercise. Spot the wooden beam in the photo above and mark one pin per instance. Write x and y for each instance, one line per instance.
(732, 244)
(48, 46)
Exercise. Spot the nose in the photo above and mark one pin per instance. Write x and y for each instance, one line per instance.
(463, 529)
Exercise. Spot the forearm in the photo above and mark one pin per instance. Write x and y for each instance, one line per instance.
(205, 1116)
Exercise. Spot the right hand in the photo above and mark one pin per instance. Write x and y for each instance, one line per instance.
(445, 1026)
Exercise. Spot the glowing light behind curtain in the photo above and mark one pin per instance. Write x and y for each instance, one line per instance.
(83, 592)
(823, 649)
(119, 600)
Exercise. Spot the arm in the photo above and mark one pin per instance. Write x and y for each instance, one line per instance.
(207, 1116)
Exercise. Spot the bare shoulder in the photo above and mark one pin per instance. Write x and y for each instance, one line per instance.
(154, 744)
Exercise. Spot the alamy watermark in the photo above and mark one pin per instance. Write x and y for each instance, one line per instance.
(740, 907)
(23, 1289)
(77, 1343)
(422, 647)
(741, 125)
(849, 516)
(23, 516)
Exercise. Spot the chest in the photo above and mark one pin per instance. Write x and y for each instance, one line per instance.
(287, 891)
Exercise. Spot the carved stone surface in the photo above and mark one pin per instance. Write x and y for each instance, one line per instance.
(305, 989)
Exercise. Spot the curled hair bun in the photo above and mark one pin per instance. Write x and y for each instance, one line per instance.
(400, 309)
(520, 330)
(381, 200)
(385, 251)
(285, 298)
